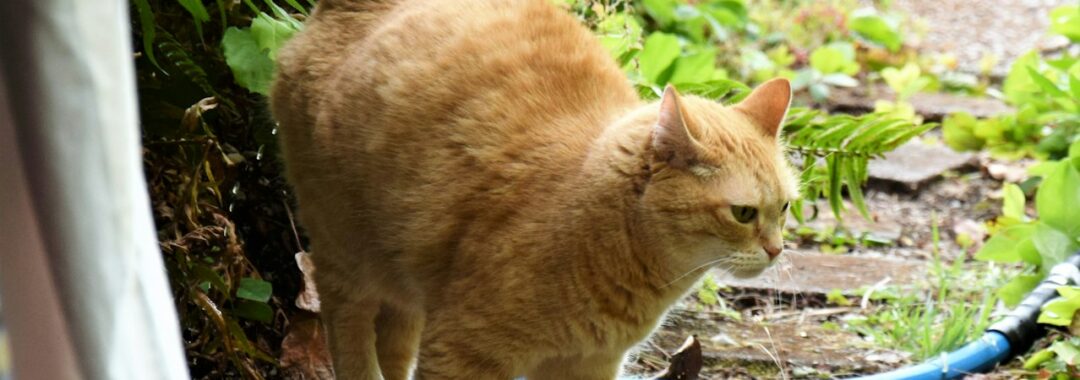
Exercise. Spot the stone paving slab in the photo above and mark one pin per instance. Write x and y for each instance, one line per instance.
(916, 163)
(802, 272)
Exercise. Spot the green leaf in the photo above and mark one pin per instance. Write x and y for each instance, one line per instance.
(254, 289)
(693, 68)
(958, 130)
(1007, 246)
(837, 297)
(198, 13)
(854, 181)
(256, 311)
(876, 29)
(1018, 85)
(1014, 291)
(1046, 84)
(149, 30)
(659, 52)
(205, 274)
(663, 11)
(835, 201)
(1066, 351)
(271, 34)
(1053, 245)
(1060, 311)
(1065, 20)
(251, 67)
(1013, 205)
(1074, 86)
(1058, 199)
(834, 58)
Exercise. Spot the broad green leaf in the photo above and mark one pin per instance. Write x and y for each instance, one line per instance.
(663, 11)
(1053, 245)
(251, 67)
(1067, 352)
(270, 34)
(659, 51)
(1045, 84)
(1015, 290)
(834, 58)
(1018, 85)
(1074, 86)
(876, 29)
(1059, 312)
(254, 289)
(1006, 246)
(1058, 199)
(694, 68)
(1065, 20)
(256, 311)
(1013, 205)
(958, 131)
(905, 81)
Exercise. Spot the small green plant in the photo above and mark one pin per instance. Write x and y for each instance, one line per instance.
(1041, 242)
(1062, 358)
(1046, 93)
(941, 319)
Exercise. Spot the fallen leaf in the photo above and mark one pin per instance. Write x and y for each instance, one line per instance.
(194, 113)
(308, 299)
(304, 354)
(685, 363)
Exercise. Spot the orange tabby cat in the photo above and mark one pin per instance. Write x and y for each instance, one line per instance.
(487, 197)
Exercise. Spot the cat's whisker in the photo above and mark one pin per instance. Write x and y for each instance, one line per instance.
(707, 264)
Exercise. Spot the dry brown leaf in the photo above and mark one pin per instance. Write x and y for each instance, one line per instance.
(194, 113)
(308, 299)
(685, 363)
(304, 354)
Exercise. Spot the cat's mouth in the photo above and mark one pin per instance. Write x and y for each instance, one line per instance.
(750, 265)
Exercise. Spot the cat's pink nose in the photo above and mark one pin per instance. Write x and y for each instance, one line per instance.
(773, 251)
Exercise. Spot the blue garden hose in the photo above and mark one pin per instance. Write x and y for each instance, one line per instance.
(1008, 338)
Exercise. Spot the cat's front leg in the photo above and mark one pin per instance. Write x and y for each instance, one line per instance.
(592, 367)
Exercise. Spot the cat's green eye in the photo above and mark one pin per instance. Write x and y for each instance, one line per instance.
(744, 214)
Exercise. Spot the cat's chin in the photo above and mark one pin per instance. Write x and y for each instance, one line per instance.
(746, 272)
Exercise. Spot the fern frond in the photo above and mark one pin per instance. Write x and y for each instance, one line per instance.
(835, 150)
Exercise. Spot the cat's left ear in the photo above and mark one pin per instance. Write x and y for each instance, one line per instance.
(767, 105)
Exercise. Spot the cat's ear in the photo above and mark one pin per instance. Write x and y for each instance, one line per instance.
(767, 105)
(671, 138)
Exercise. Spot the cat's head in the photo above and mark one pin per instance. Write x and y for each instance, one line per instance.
(721, 184)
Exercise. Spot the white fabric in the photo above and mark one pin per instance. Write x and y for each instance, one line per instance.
(71, 89)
